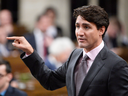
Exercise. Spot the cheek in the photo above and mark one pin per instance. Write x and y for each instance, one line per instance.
(91, 37)
(3, 81)
(76, 33)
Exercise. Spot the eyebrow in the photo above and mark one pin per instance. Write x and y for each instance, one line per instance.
(82, 24)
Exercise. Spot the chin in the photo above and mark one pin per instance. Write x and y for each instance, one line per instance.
(82, 46)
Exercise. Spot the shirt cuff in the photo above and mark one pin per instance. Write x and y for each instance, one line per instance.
(25, 56)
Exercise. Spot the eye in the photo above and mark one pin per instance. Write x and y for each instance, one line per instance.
(1, 75)
(77, 26)
(86, 27)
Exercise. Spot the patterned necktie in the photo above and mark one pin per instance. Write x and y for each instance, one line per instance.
(81, 73)
(44, 47)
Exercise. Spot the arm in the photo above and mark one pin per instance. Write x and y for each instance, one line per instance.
(49, 79)
(118, 80)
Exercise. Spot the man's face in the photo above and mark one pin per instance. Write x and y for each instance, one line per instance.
(44, 23)
(4, 78)
(88, 36)
(5, 17)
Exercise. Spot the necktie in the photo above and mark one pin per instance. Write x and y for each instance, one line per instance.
(81, 73)
(44, 47)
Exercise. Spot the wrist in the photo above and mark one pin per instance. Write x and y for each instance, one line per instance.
(30, 51)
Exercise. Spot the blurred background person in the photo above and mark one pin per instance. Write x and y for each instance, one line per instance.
(14, 83)
(11, 28)
(115, 36)
(59, 52)
(4, 47)
(40, 39)
(4, 52)
(6, 21)
(51, 13)
(5, 77)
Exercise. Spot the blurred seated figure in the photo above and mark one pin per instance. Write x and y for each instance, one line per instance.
(115, 36)
(14, 83)
(51, 13)
(10, 27)
(59, 52)
(6, 20)
(3, 48)
(5, 77)
(39, 38)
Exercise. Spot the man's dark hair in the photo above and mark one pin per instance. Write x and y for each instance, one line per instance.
(45, 13)
(39, 17)
(7, 64)
(94, 14)
(50, 9)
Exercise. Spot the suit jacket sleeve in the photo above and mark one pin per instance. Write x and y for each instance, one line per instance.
(49, 79)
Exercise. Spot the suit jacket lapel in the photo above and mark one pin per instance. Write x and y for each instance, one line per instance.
(9, 91)
(71, 68)
(95, 68)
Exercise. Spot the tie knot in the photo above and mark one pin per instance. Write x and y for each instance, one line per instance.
(85, 58)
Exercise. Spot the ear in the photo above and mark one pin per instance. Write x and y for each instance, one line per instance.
(9, 77)
(101, 30)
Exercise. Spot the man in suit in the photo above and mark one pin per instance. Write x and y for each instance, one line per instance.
(41, 35)
(5, 77)
(106, 73)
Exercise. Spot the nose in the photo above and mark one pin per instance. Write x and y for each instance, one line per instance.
(80, 31)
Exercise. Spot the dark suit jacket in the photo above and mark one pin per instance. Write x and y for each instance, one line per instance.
(14, 92)
(108, 75)
(31, 39)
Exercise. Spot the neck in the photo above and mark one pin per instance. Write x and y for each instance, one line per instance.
(4, 87)
(92, 47)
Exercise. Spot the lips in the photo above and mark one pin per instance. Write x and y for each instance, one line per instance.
(81, 39)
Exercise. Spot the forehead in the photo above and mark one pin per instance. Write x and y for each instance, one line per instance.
(45, 19)
(81, 20)
(2, 69)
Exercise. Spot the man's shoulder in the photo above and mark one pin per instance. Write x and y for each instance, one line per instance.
(19, 92)
(77, 50)
(113, 58)
(114, 55)
(76, 53)
(29, 35)
(15, 92)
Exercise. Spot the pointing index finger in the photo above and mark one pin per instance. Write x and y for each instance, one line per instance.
(12, 38)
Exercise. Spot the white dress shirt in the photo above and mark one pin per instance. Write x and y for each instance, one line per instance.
(92, 54)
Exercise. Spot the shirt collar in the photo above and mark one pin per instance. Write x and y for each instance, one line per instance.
(3, 93)
(37, 32)
(94, 52)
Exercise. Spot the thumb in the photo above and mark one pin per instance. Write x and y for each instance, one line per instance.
(16, 45)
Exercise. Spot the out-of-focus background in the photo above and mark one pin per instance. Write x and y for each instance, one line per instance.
(49, 27)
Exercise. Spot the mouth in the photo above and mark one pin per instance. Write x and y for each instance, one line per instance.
(81, 39)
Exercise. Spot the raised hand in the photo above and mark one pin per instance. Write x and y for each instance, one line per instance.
(22, 43)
